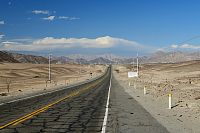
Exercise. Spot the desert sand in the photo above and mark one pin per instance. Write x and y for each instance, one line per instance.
(19, 79)
(182, 80)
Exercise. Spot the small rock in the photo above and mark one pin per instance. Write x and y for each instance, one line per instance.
(197, 98)
(4, 94)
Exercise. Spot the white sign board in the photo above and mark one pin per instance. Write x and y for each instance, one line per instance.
(132, 74)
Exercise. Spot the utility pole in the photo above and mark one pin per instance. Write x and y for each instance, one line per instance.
(50, 68)
(132, 63)
(137, 66)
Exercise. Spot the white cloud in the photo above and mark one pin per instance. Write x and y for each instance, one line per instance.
(63, 17)
(62, 43)
(1, 36)
(101, 42)
(40, 11)
(68, 18)
(189, 46)
(50, 18)
(73, 18)
(2, 22)
(160, 49)
(174, 46)
(10, 42)
(186, 46)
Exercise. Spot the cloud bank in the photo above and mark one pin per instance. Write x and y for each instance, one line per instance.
(48, 43)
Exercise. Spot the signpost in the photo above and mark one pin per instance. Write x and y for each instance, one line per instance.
(132, 74)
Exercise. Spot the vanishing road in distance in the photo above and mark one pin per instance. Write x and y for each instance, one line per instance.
(77, 109)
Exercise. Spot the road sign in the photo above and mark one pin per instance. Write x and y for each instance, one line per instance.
(132, 74)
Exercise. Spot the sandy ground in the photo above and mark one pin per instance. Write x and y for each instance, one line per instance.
(22, 79)
(182, 80)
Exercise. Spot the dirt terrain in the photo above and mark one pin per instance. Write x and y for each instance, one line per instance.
(182, 80)
(20, 78)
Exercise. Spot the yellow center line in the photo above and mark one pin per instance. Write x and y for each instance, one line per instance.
(36, 112)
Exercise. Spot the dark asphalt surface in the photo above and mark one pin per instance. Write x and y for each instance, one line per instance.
(82, 113)
(126, 115)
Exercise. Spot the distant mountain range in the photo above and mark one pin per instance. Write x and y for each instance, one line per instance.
(7, 57)
(172, 57)
(21, 58)
(158, 57)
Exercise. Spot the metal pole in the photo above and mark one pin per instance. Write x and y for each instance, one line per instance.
(137, 66)
(133, 65)
(50, 68)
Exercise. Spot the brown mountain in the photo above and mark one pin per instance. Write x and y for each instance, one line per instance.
(12, 57)
(7, 57)
(30, 58)
(172, 57)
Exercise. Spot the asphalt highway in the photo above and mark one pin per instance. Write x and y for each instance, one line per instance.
(78, 109)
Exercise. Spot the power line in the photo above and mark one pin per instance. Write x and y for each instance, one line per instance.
(195, 37)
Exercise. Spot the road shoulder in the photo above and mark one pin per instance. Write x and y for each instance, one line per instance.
(127, 115)
(158, 108)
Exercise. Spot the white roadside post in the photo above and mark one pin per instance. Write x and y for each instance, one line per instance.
(145, 91)
(170, 101)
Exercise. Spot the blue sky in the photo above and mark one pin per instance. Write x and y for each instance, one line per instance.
(121, 27)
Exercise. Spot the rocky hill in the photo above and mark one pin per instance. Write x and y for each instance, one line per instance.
(7, 57)
(30, 58)
(12, 57)
(101, 60)
(157, 57)
(172, 57)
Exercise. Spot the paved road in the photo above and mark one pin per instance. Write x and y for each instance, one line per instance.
(126, 115)
(80, 109)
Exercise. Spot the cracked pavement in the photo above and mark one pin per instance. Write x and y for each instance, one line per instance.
(78, 114)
